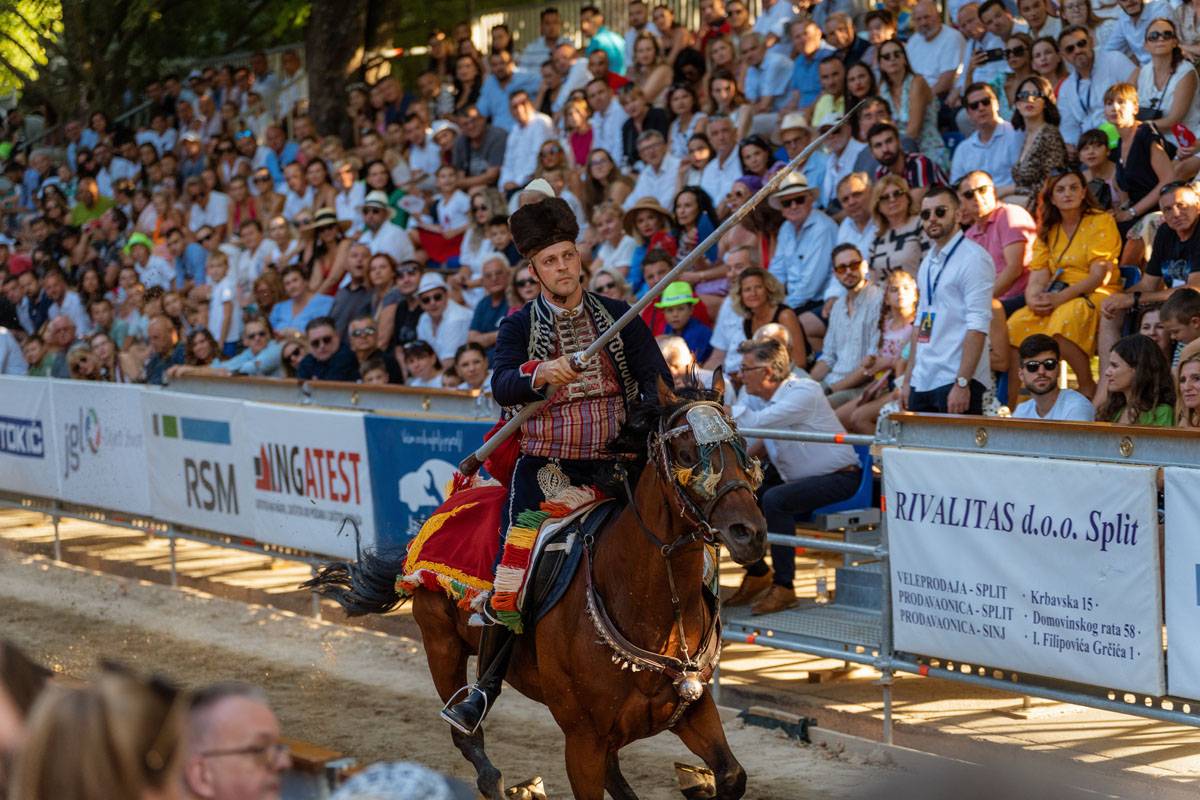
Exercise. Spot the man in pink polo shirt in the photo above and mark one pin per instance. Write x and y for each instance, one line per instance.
(1007, 232)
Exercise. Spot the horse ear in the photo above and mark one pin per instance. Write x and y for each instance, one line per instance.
(666, 394)
(718, 384)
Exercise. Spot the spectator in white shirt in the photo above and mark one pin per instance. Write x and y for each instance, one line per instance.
(541, 49)
(1040, 362)
(529, 131)
(639, 21)
(853, 329)
(725, 166)
(379, 233)
(1129, 34)
(935, 52)
(947, 371)
(445, 324)
(729, 330)
(1081, 97)
(351, 191)
(802, 476)
(208, 207)
(257, 253)
(802, 258)
(659, 172)
(424, 155)
(1036, 14)
(857, 226)
(768, 75)
(607, 118)
(224, 310)
(64, 301)
(12, 360)
(772, 20)
(995, 145)
(299, 195)
(843, 151)
(152, 270)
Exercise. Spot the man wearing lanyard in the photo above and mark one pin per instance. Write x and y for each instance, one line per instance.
(1081, 98)
(946, 371)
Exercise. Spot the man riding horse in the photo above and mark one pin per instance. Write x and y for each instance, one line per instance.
(567, 440)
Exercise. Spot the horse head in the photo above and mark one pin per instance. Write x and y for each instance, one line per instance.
(699, 454)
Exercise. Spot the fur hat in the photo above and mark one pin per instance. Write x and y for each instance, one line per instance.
(538, 225)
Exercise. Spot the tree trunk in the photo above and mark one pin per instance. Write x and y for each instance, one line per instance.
(334, 44)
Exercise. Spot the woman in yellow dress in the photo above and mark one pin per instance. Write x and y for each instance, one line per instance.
(1074, 253)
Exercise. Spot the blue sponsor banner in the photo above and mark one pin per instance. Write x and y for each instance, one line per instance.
(412, 466)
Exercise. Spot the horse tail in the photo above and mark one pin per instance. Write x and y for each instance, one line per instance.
(366, 586)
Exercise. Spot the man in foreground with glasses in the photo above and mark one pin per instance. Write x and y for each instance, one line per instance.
(853, 329)
(232, 746)
(1040, 362)
(946, 372)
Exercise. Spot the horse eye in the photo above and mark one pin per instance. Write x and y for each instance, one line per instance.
(687, 456)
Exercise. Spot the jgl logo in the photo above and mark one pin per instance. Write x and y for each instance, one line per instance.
(80, 436)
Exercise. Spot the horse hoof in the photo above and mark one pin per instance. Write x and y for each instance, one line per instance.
(490, 784)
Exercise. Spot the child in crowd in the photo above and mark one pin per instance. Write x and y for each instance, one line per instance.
(1180, 317)
(676, 305)
(440, 232)
(374, 371)
(421, 365)
(224, 313)
(1099, 171)
(658, 263)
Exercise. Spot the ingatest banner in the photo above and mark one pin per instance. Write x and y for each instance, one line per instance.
(1041, 566)
(192, 455)
(1182, 578)
(311, 485)
(100, 441)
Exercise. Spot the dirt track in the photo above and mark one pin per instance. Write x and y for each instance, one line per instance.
(365, 694)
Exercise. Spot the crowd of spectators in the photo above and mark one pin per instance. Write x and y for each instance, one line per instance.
(997, 175)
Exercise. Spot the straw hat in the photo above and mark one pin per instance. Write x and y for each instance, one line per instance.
(647, 204)
(324, 218)
(792, 185)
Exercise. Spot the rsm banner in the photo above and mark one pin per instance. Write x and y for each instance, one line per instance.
(412, 466)
(192, 455)
(1035, 565)
(311, 487)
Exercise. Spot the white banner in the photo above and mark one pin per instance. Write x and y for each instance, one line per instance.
(101, 446)
(1040, 566)
(195, 475)
(310, 484)
(1181, 572)
(28, 458)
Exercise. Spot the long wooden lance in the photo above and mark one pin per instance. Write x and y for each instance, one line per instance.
(470, 465)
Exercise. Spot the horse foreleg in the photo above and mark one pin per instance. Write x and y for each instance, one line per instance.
(587, 765)
(701, 731)
(447, 653)
(618, 788)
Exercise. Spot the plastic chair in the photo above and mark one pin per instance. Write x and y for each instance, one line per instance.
(862, 496)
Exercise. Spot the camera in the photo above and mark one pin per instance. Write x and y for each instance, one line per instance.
(995, 54)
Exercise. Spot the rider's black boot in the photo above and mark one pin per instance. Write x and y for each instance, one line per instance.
(495, 650)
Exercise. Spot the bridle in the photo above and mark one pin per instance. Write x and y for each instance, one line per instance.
(706, 421)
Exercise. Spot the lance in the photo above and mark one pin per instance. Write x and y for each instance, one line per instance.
(470, 465)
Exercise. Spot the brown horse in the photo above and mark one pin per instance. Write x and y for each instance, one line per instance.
(652, 554)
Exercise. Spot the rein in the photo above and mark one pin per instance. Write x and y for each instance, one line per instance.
(687, 674)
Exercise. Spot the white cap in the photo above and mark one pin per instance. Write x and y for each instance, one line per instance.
(541, 186)
(443, 125)
(375, 199)
(429, 282)
(190, 136)
(795, 119)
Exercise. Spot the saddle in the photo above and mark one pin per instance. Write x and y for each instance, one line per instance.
(458, 545)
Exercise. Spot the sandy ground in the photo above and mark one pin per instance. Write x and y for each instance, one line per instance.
(365, 694)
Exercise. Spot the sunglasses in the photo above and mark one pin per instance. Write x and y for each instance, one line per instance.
(978, 190)
(224, 149)
(940, 212)
(551, 150)
(1029, 94)
(526, 282)
(788, 202)
(846, 266)
(605, 287)
(256, 334)
(262, 178)
(1078, 44)
(1160, 36)
(1049, 364)
(320, 342)
(1015, 52)
(204, 238)
(407, 272)
(362, 333)
(432, 297)
(975, 105)
(890, 196)
(891, 55)
(292, 355)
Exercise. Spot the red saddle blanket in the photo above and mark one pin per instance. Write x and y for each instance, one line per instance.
(456, 548)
